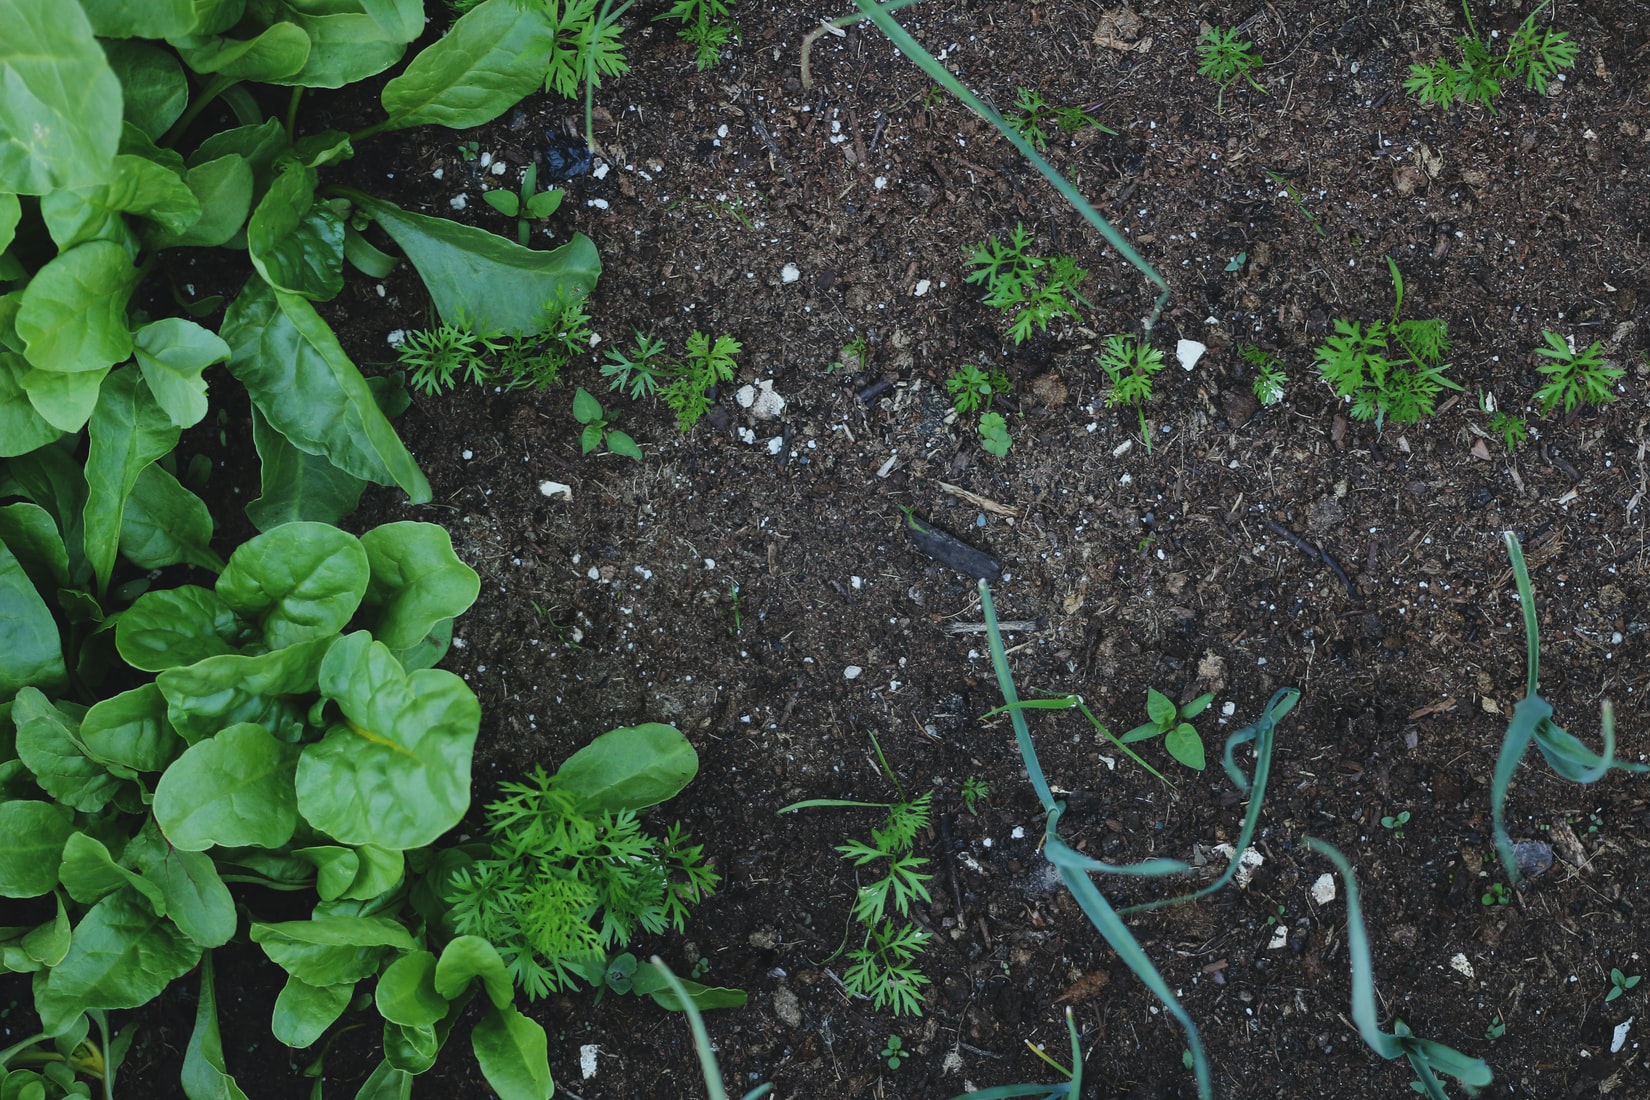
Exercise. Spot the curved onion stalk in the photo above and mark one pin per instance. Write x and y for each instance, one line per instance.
(701, 1040)
(1073, 867)
(1532, 721)
(939, 74)
(1427, 1057)
(1262, 734)
(1065, 1090)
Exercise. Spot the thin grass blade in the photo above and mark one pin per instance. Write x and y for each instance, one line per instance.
(701, 1040)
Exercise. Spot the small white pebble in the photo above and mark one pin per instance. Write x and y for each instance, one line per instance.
(1280, 938)
(601, 170)
(852, 672)
(722, 130)
(1323, 890)
(1619, 1038)
(1019, 832)
(499, 167)
(469, 454)
(790, 273)
(594, 573)
(397, 338)
(486, 159)
(587, 1060)
(551, 489)
(459, 202)
(922, 287)
(776, 444)
(438, 173)
(710, 563)
(599, 204)
(1228, 708)
(1460, 965)
(880, 182)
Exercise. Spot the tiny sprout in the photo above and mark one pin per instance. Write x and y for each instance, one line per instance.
(894, 1051)
(1620, 983)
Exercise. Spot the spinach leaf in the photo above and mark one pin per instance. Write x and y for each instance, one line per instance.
(406, 992)
(331, 950)
(630, 768)
(173, 353)
(296, 485)
(304, 1011)
(22, 428)
(296, 583)
(89, 873)
(128, 431)
(122, 954)
(466, 958)
(274, 53)
(60, 116)
(205, 1076)
(130, 731)
(269, 689)
(30, 650)
(72, 316)
(165, 524)
(416, 582)
(197, 901)
(231, 790)
(514, 1054)
(297, 244)
(48, 743)
(172, 627)
(32, 835)
(494, 56)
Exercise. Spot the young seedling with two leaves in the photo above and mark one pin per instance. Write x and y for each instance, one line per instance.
(1173, 724)
(598, 427)
(529, 206)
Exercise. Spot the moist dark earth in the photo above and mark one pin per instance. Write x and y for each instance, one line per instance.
(751, 583)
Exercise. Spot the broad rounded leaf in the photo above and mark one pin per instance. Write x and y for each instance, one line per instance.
(197, 901)
(514, 1054)
(296, 485)
(630, 768)
(303, 1011)
(22, 428)
(279, 50)
(60, 110)
(331, 950)
(396, 773)
(31, 846)
(493, 57)
(272, 689)
(63, 400)
(171, 627)
(29, 532)
(154, 89)
(30, 649)
(406, 992)
(344, 48)
(150, 19)
(141, 188)
(416, 582)
(223, 188)
(73, 312)
(131, 730)
(410, 1047)
(172, 353)
(121, 956)
(46, 745)
(297, 244)
(469, 957)
(231, 790)
(165, 524)
(298, 582)
(89, 873)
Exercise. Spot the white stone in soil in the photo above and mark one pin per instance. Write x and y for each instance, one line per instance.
(1461, 966)
(1189, 352)
(552, 489)
(1323, 890)
(922, 287)
(852, 672)
(1247, 864)
(776, 444)
(1619, 1039)
(587, 1060)
(1280, 938)
(790, 273)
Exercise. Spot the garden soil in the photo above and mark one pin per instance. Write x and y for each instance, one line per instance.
(751, 581)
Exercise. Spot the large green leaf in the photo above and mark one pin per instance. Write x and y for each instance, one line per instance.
(297, 244)
(223, 188)
(231, 790)
(90, 873)
(22, 428)
(27, 530)
(514, 1054)
(298, 582)
(54, 478)
(344, 47)
(155, 89)
(47, 743)
(406, 992)
(165, 524)
(122, 955)
(478, 278)
(64, 400)
(60, 108)
(197, 901)
(494, 56)
(173, 627)
(296, 485)
(411, 1047)
(128, 431)
(396, 772)
(417, 582)
(630, 768)
(301, 380)
(274, 53)
(205, 1076)
(218, 692)
(130, 730)
(466, 958)
(354, 874)
(172, 353)
(149, 19)
(332, 950)
(30, 649)
(304, 1011)
(31, 846)
(73, 312)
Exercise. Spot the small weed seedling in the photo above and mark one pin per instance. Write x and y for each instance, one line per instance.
(738, 607)
(707, 364)
(707, 25)
(893, 1051)
(469, 150)
(1130, 365)
(1396, 823)
(634, 372)
(972, 390)
(440, 358)
(1224, 58)
(1574, 378)
(1534, 55)
(974, 791)
(527, 207)
(700, 968)
(1513, 430)
(1388, 370)
(1034, 117)
(1496, 1029)
(1294, 196)
(854, 356)
(1496, 894)
(1171, 723)
(1035, 289)
(1620, 983)
(1269, 376)
(1277, 917)
(598, 427)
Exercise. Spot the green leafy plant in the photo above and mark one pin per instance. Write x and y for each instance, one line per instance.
(893, 1051)
(973, 389)
(1130, 365)
(707, 364)
(1225, 58)
(1034, 117)
(583, 43)
(1173, 724)
(1574, 378)
(1427, 1057)
(1496, 894)
(1513, 430)
(568, 876)
(460, 351)
(26, 1071)
(708, 25)
(440, 358)
(1534, 55)
(1396, 823)
(855, 356)
(1269, 374)
(1496, 1028)
(1532, 723)
(737, 604)
(1620, 983)
(598, 427)
(528, 206)
(974, 791)
(1388, 370)
(635, 372)
(1033, 289)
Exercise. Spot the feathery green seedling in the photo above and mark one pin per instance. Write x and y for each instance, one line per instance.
(1532, 721)
(1075, 868)
(706, 365)
(1033, 117)
(1033, 289)
(1069, 1089)
(974, 791)
(1130, 365)
(972, 390)
(1574, 378)
(1534, 55)
(1389, 370)
(707, 25)
(1170, 722)
(714, 1087)
(1427, 1057)
(1225, 58)
(1269, 374)
(1620, 983)
(635, 371)
(438, 359)
(529, 206)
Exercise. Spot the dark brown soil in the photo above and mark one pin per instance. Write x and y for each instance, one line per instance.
(1158, 569)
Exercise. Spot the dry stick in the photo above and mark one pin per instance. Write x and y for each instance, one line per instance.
(1313, 551)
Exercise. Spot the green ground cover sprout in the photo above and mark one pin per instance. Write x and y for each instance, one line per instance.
(1034, 117)
(1620, 983)
(972, 390)
(1427, 1057)
(1034, 290)
(1496, 1028)
(1130, 364)
(707, 24)
(528, 206)
(598, 427)
(893, 1051)
(1532, 723)
(1395, 823)
(1496, 893)
(1224, 58)
(1172, 723)
(1574, 378)
(707, 364)
(974, 791)
(1534, 55)
(1269, 374)
(635, 372)
(1388, 370)
(439, 358)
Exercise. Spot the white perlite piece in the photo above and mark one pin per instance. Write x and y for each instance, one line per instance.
(1461, 966)
(1280, 938)
(1247, 864)
(852, 672)
(1323, 891)
(790, 273)
(554, 489)
(587, 1060)
(761, 400)
(922, 287)
(1619, 1039)
(1189, 352)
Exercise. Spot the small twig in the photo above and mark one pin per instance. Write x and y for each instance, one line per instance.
(1023, 625)
(830, 26)
(951, 866)
(1313, 551)
(978, 501)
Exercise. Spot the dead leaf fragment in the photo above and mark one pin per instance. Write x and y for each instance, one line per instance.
(1119, 29)
(1085, 988)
